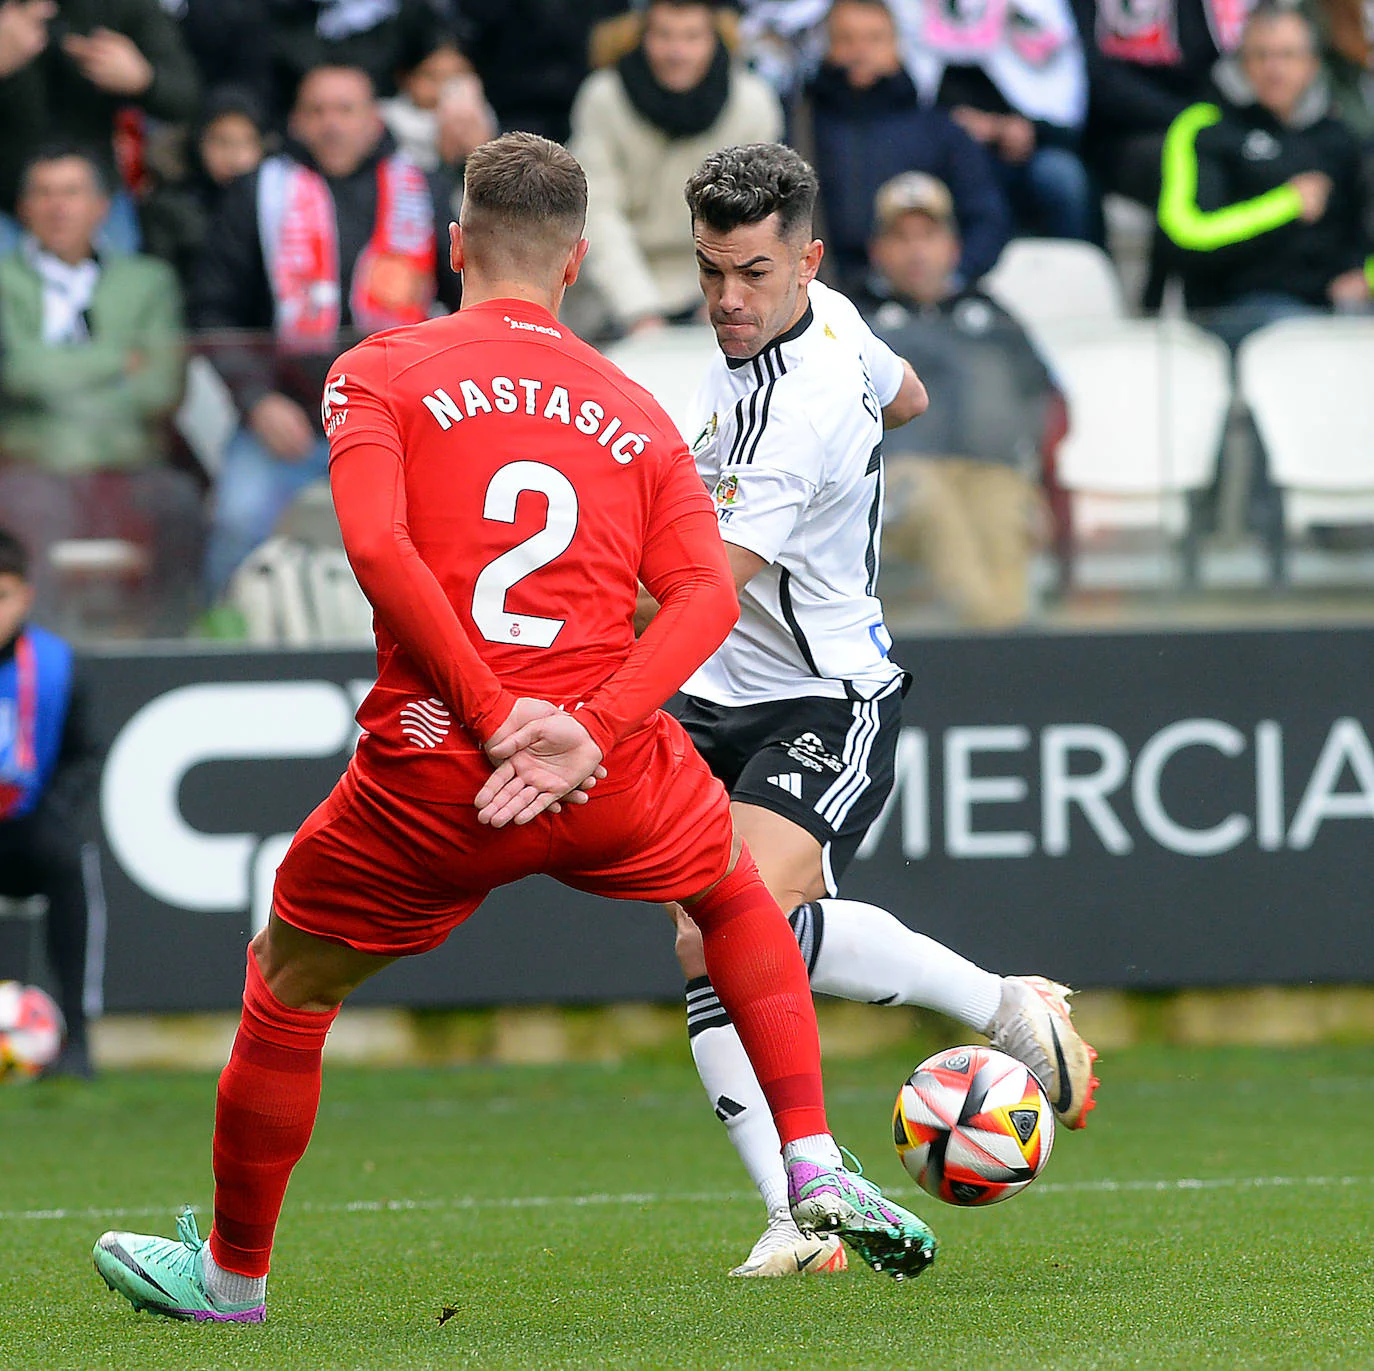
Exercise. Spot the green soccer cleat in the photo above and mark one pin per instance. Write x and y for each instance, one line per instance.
(166, 1277)
(829, 1199)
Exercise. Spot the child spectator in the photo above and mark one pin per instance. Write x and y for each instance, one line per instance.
(49, 765)
(228, 143)
(412, 113)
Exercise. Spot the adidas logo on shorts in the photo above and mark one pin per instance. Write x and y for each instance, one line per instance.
(791, 783)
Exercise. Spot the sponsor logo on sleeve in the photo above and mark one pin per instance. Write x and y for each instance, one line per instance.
(334, 406)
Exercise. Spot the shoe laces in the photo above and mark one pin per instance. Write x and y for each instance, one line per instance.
(187, 1230)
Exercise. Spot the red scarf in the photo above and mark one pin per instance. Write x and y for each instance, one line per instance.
(393, 279)
(24, 724)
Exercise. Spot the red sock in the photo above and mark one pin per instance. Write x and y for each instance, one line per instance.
(269, 1095)
(758, 972)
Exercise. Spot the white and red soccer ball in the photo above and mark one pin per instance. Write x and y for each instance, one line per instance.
(972, 1126)
(31, 1030)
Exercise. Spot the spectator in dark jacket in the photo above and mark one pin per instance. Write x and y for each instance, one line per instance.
(66, 67)
(227, 144)
(868, 125)
(1263, 204)
(49, 765)
(301, 255)
(532, 57)
(1146, 64)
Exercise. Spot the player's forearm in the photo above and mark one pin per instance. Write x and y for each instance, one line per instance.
(909, 403)
(405, 593)
(698, 606)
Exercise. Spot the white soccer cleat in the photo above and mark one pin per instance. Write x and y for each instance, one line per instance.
(1033, 1025)
(784, 1250)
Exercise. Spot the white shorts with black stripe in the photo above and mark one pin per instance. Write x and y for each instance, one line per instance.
(827, 765)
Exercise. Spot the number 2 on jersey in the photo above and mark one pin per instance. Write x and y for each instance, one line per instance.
(489, 611)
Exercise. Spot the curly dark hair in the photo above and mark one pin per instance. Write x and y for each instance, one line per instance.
(744, 185)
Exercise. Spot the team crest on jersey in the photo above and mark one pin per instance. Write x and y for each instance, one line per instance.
(334, 406)
(727, 491)
(707, 436)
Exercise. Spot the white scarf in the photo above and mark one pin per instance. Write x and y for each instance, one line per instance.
(1029, 49)
(67, 294)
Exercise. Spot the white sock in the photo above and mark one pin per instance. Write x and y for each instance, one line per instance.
(819, 1147)
(860, 952)
(228, 1287)
(735, 1093)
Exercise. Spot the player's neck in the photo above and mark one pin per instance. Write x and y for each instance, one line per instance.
(798, 314)
(479, 291)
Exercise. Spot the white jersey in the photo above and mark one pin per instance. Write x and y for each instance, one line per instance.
(790, 444)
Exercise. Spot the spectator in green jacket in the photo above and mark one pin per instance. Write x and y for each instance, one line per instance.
(90, 367)
(1263, 201)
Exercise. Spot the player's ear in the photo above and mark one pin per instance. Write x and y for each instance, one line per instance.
(455, 247)
(811, 261)
(574, 264)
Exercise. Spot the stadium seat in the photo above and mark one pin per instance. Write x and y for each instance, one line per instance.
(1148, 401)
(1047, 281)
(294, 595)
(1308, 385)
(669, 363)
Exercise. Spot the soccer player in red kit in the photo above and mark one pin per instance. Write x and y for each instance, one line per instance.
(502, 490)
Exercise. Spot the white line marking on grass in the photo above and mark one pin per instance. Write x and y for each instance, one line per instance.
(461, 1202)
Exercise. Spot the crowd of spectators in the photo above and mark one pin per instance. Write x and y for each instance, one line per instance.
(277, 177)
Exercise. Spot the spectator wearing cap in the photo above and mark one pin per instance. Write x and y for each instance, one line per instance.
(67, 68)
(335, 237)
(868, 125)
(963, 495)
(90, 365)
(1015, 80)
(229, 142)
(1263, 204)
(640, 129)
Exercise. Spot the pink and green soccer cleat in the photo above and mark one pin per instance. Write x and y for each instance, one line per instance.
(167, 1277)
(829, 1199)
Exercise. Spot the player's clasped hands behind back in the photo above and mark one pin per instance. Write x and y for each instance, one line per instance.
(544, 758)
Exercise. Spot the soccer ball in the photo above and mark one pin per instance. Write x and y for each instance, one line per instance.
(972, 1126)
(31, 1030)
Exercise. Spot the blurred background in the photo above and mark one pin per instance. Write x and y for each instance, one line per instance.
(1128, 553)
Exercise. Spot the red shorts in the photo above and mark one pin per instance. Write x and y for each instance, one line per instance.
(391, 874)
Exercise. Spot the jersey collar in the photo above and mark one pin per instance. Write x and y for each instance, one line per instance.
(791, 336)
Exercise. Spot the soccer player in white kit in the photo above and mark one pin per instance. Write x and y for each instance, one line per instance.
(799, 712)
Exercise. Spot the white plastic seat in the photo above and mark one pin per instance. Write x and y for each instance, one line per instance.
(1310, 385)
(1047, 281)
(670, 364)
(1148, 401)
(295, 595)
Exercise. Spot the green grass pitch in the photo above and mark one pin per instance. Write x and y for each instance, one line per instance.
(1217, 1213)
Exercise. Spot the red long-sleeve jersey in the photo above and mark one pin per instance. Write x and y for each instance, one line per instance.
(502, 489)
